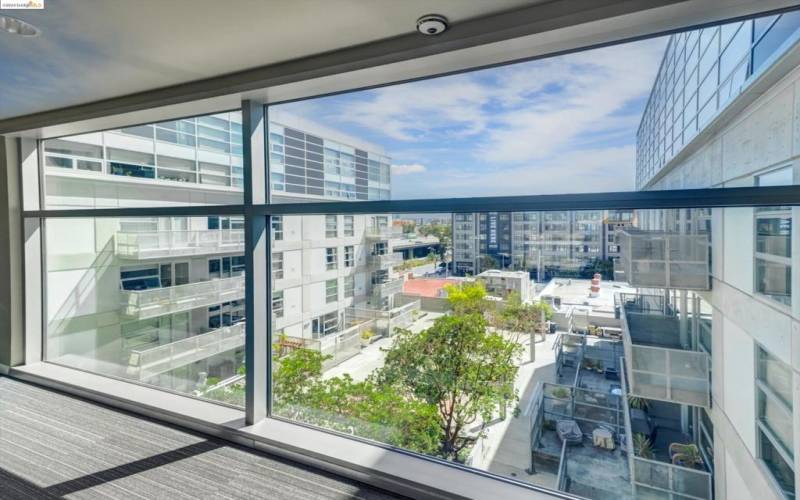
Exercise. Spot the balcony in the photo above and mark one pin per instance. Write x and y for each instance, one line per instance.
(661, 358)
(147, 363)
(655, 259)
(150, 303)
(161, 244)
(378, 233)
(656, 475)
(387, 288)
(384, 261)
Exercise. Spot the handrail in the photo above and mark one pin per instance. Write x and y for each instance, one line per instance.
(181, 242)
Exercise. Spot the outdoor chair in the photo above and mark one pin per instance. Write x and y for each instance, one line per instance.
(569, 432)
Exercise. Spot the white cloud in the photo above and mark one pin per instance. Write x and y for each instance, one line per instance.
(412, 168)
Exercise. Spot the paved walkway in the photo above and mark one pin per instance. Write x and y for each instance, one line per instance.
(371, 357)
(507, 446)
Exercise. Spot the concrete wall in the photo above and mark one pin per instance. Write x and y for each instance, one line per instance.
(765, 136)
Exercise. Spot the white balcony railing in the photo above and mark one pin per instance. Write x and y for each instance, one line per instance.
(154, 302)
(388, 288)
(385, 261)
(147, 363)
(159, 244)
(382, 232)
(661, 365)
(653, 259)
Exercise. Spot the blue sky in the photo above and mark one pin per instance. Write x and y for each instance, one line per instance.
(560, 125)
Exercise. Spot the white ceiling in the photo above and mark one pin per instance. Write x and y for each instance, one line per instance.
(96, 49)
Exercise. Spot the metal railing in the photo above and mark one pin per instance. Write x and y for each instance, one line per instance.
(159, 301)
(157, 244)
(655, 479)
(385, 260)
(343, 345)
(664, 373)
(382, 232)
(147, 363)
(659, 259)
(388, 288)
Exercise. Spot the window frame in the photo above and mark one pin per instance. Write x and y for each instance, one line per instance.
(256, 210)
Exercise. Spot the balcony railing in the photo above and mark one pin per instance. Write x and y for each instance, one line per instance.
(154, 302)
(651, 478)
(387, 288)
(382, 232)
(147, 363)
(654, 259)
(160, 244)
(662, 361)
(385, 261)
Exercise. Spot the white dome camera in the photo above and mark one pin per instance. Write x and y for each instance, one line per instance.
(431, 24)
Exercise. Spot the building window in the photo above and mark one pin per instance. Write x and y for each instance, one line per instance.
(140, 279)
(277, 304)
(277, 265)
(348, 226)
(773, 235)
(331, 291)
(226, 267)
(277, 227)
(330, 226)
(226, 314)
(774, 418)
(349, 286)
(349, 256)
(330, 258)
(325, 324)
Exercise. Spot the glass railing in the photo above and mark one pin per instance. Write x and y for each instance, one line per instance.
(384, 261)
(160, 301)
(388, 288)
(147, 363)
(161, 244)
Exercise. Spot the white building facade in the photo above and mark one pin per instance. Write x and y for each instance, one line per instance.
(160, 300)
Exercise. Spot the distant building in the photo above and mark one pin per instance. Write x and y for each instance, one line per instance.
(502, 283)
(548, 244)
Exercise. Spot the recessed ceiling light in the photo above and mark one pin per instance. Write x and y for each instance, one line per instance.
(16, 26)
(431, 24)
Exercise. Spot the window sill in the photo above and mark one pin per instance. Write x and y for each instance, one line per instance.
(394, 470)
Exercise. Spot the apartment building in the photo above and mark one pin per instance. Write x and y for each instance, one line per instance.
(559, 243)
(724, 112)
(160, 300)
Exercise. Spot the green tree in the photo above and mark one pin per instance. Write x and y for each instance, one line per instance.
(364, 408)
(441, 231)
(456, 365)
(468, 298)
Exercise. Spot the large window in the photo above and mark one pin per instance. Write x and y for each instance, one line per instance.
(773, 246)
(775, 421)
(149, 165)
(432, 336)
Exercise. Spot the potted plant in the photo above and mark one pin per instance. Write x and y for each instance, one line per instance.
(687, 455)
(638, 403)
(642, 447)
(367, 336)
(561, 393)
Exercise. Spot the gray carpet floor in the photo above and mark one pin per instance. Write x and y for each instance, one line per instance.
(56, 446)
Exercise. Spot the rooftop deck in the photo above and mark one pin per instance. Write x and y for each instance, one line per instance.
(57, 446)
